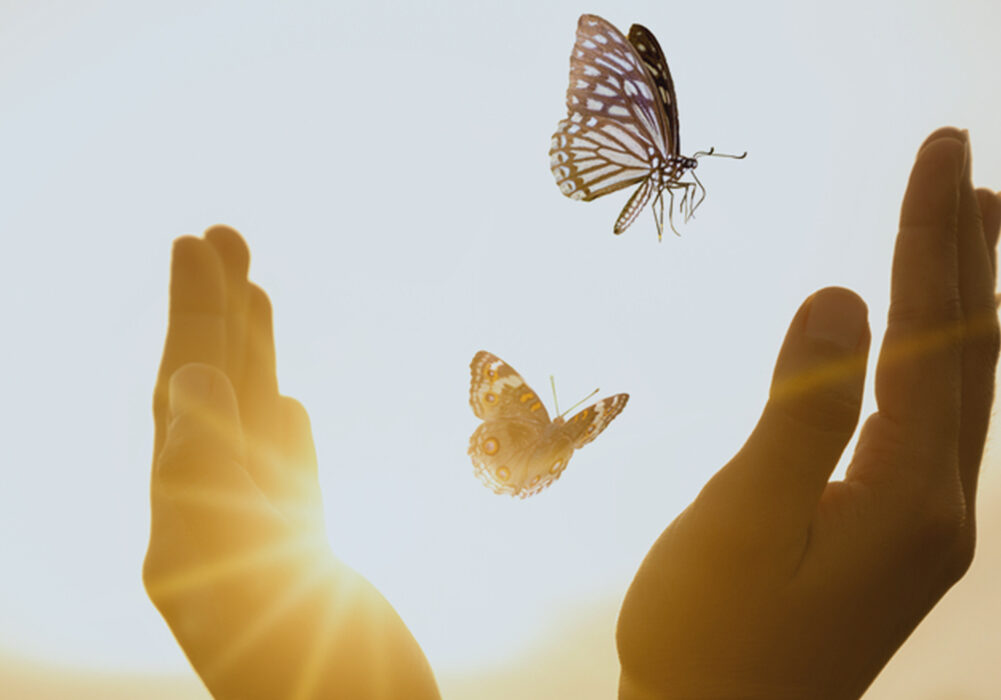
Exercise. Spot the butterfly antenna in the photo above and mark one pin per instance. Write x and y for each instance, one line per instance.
(556, 402)
(712, 152)
(579, 403)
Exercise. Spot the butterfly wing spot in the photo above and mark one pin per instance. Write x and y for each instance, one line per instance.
(490, 397)
(535, 480)
(604, 91)
(490, 446)
(527, 396)
(503, 473)
(535, 406)
(557, 466)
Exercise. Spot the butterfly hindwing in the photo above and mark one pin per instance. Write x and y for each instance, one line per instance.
(518, 458)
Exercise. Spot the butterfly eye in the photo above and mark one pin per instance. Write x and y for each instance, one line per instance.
(503, 473)
(490, 446)
(490, 398)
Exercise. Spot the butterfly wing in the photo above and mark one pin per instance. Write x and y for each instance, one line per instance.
(650, 53)
(517, 450)
(586, 425)
(496, 390)
(518, 458)
(615, 133)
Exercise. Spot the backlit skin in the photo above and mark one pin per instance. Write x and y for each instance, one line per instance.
(772, 584)
(238, 562)
(777, 584)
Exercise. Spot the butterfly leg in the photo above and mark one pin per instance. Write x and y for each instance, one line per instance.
(702, 192)
(670, 209)
(658, 213)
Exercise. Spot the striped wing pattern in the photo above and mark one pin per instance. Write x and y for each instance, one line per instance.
(646, 45)
(614, 135)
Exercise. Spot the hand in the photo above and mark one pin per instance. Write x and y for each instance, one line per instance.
(776, 583)
(238, 562)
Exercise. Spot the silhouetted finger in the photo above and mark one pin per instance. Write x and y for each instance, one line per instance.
(990, 213)
(301, 478)
(773, 485)
(258, 401)
(196, 327)
(918, 378)
(981, 335)
(235, 257)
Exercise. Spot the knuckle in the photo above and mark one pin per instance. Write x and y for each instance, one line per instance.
(911, 313)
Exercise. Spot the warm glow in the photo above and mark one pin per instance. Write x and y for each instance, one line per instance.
(388, 166)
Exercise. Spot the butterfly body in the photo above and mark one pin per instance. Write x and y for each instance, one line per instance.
(518, 450)
(622, 125)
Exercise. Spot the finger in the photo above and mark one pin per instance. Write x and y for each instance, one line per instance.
(259, 398)
(918, 374)
(777, 478)
(284, 463)
(981, 334)
(260, 390)
(297, 437)
(301, 478)
(235, 257)
(990, 213)
(196, 328)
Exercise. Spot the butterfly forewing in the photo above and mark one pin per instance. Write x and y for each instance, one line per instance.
(646, 45)
(614, 134)
(586, 425)
(495, 390)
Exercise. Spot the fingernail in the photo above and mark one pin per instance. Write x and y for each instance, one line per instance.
(836, 317)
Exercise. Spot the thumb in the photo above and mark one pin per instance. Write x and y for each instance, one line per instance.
(777, 478)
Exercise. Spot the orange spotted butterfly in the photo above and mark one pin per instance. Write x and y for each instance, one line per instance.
(622, 125)
(518, 450)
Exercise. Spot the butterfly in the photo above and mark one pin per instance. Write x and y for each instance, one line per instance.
(622, 126)
(518, 450)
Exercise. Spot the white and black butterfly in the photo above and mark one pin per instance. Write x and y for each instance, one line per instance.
(518, 450)
(622, 125)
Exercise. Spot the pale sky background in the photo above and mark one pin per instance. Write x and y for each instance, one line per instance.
(387, 163)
